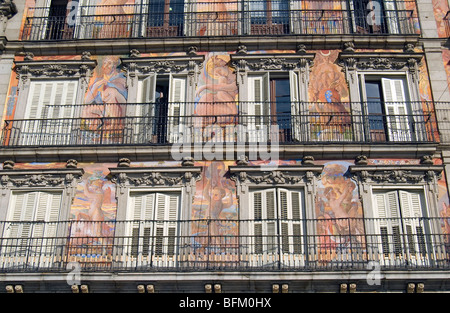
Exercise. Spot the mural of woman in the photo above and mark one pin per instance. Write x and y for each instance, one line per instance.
(110, 84)
(215, 208)
(338, 209)
(105, 97)
(327, 83)
(217, 95)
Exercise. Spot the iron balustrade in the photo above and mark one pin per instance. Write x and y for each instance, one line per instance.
(228, 245)
(221, 18)
(143, 127)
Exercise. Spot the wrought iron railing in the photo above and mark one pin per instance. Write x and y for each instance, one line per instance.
(147, 129)
(221, 18)
(233, 245)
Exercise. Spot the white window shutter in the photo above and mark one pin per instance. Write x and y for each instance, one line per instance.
(148, 88)
(41, 207)
(395, 102)
(49, 100)
(411, 210)
(295, 106)
(176, 110)
(258, 106)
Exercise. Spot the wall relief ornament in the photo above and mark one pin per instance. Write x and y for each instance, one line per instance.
(155, 176)
(64, 178)
(396, 174)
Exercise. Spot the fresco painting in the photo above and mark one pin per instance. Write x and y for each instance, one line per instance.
(440, 9)
(338, 212)
(328, 97)
(214, 230)
(216, 18)
(105, 101)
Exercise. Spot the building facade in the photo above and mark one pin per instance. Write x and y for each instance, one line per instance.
(225, 146)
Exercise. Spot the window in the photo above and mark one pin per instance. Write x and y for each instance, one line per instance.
(276, 220)
(269, 17)
(387, 108)
(273, 100)
(400, 224)
(165, 18)
(31, 228)
(163, 98)
(50, 106)
(152, 226)
(376, 16)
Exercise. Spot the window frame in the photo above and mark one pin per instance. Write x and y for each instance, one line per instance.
(294, 65)
(421, 177)
(64, 181)
(290, 177)
(128, 179)
(139, 68)
(382, 64)
(164, 258)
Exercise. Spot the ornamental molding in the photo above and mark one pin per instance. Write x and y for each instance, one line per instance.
(379, 61)
(55, 68)
(169, 64)
(7, 8)
(125, 177)
(278, 175)
(273, 62)
(60, 69)
(397, 174)
(62, 178)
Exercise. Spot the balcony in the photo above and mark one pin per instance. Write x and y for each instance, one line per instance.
(233, 18)
(147, 129)
(140, 246)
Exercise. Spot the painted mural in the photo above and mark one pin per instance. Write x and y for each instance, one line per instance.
(215, 229)
(338, 212)
(217, 90)
(440, 9)
(216, 18)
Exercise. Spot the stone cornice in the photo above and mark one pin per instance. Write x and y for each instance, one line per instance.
(253, 43)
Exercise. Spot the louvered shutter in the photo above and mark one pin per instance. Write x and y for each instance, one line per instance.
(294, 16)
(411, 210)
(295, 106)
(258, 107)
(50, 108)
(290, 212)
(176, 110)
(387, 211)
(264, 221)
(396, 109)
(145, 112)
(33, 229)
(140, 217)
(166, 217)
